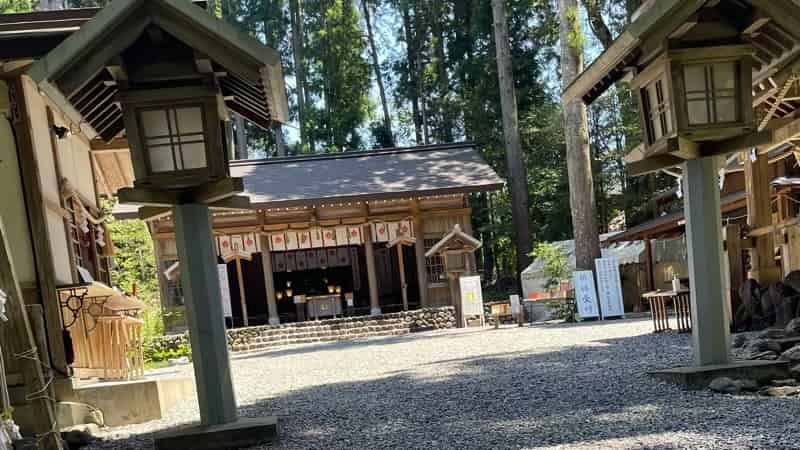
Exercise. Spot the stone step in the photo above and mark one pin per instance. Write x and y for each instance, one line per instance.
(309, 340)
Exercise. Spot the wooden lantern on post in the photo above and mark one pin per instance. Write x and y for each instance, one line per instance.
(698, 94)
(175, 136)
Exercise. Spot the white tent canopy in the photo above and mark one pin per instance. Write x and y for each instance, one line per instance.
(534, 279)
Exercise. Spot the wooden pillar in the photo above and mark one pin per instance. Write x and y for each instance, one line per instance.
(372, 275)
(733, 251)
(242, 294)
(710, 323)
(402, 268)
(649, 278)
(422, 263)
(759, 214)
(269, 281)
(35, 206)
(204, 314)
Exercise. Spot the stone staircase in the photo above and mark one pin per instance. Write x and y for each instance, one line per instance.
(397, 324)
(270, 336)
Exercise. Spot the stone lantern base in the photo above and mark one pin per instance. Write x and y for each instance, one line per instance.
(244, 432)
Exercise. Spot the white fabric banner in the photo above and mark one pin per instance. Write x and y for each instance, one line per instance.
(380, 232)
(291, 240)
(609, 287)
(278, 242)
(585, 294)
(329, 237)
(341, 235)
(354, 236)
(303, 239)
(316, 238)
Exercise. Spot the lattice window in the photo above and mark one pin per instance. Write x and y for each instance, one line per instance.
(655, 101)
(434, 264)
(711, 91)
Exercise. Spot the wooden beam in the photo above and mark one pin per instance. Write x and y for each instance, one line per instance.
(759, 214)
(210, 193)
(218, 190)
(76, 77)
(116, 145)
(242, 293)
(737, 144)
(733, 251)
(235, 203)
(652, 164)
(37, 219)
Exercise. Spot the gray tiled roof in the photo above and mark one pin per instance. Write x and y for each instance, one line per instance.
(429, 170)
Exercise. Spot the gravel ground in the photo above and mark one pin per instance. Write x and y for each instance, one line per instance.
(576, 386)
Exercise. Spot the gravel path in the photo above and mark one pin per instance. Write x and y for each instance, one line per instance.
(578, 386)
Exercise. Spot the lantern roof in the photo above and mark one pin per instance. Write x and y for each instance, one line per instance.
(771, 27)
(455, 240)
(144, 42)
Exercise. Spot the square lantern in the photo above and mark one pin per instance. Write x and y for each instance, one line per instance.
(175, 137)
(700, 94)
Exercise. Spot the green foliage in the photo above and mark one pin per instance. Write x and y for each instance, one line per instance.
(157, 350)
(575, 38)
(15, 6)
(556, 263)
(135, 264)
(565, 310)
(338, 81)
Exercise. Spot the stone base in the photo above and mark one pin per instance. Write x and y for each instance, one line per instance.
(136, 401)
(245, 432)
(700, 376)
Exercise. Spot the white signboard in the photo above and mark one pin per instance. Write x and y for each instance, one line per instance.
(222, 270)
(585, 295)
(609, 286)
(471, 296)
(514, 299)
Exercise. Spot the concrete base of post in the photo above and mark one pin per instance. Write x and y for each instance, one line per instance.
(375, 312)
(274, 321)
(244, 432)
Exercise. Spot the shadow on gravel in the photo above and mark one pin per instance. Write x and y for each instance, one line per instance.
(580, 395)
(333, 346)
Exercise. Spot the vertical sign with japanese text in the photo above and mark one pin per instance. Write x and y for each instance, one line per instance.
(585, 295)
(609, 287)
(222, 270)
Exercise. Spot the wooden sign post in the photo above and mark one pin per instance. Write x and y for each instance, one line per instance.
(398, 243)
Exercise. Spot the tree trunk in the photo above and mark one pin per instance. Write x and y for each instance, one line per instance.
(277, 134)
(445, 115)
(411, 59)
(518, 181)
(296, 17)
(420, 35)
(599, 28)
(387, 119)
(579, 165)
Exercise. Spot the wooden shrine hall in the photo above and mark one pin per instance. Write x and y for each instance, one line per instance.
(328, 235)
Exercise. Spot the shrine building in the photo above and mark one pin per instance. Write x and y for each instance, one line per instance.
(327, 235)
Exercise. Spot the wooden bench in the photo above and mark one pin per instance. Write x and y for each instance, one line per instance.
(681, 304)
